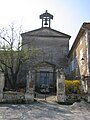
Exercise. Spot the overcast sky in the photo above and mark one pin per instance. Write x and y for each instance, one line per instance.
(68, 14)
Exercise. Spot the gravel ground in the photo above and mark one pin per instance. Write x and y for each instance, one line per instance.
(44, 111)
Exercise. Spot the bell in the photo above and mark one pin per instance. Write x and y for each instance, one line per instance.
(46, 21)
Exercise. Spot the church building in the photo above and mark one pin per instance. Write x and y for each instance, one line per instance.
(52, 47)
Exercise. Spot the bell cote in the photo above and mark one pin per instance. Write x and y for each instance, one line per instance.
(46, 19)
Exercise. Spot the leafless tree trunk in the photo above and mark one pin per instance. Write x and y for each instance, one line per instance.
(11, 55)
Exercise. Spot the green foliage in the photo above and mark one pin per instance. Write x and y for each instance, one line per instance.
(72, 86)
(12, 54)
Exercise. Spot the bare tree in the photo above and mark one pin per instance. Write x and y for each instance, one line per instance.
(12, 56)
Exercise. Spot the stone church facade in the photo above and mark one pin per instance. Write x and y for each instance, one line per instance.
(53, 47)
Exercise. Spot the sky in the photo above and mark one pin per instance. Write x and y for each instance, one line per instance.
(69, 15)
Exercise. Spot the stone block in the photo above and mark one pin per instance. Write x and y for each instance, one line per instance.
(60, 86)
(61, 98)
(1, 97)
(1, 86)
(29, 97)
(88, 98)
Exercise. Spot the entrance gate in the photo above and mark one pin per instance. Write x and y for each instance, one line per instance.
(45, 84)
(31, 94)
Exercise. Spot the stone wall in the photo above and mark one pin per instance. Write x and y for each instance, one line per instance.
(53, 50)
(70, 98)
(18, 97)
(13, 97)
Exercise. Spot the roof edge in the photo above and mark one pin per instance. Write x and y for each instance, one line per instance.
(46, 28)
(84, 27)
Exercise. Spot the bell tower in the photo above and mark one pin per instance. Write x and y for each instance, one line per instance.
(46, 19)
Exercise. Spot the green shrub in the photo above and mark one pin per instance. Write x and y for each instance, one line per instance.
(72, 86)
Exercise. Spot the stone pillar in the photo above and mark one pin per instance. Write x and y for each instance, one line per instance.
(29, 95)
(1, 86)
(60, 86)
(82, 84)
(88, 89)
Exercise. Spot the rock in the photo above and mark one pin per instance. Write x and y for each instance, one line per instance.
(81, 105)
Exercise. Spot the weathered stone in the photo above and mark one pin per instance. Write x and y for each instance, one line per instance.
(1, 86)
(13, 97)
(60, 86)
(89, 94)
(88, 84)
(51, 47)
(29, 95)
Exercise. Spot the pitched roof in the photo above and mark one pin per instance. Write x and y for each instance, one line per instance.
(85, 26)
(44, 63)
(45, 32)
(46, 15)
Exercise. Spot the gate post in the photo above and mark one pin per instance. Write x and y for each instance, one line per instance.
(88, 88)
(29, 95)
(1, 86)
(60, 86)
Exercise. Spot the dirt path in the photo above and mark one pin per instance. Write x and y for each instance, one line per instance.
(49, 97)
(42, 111)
